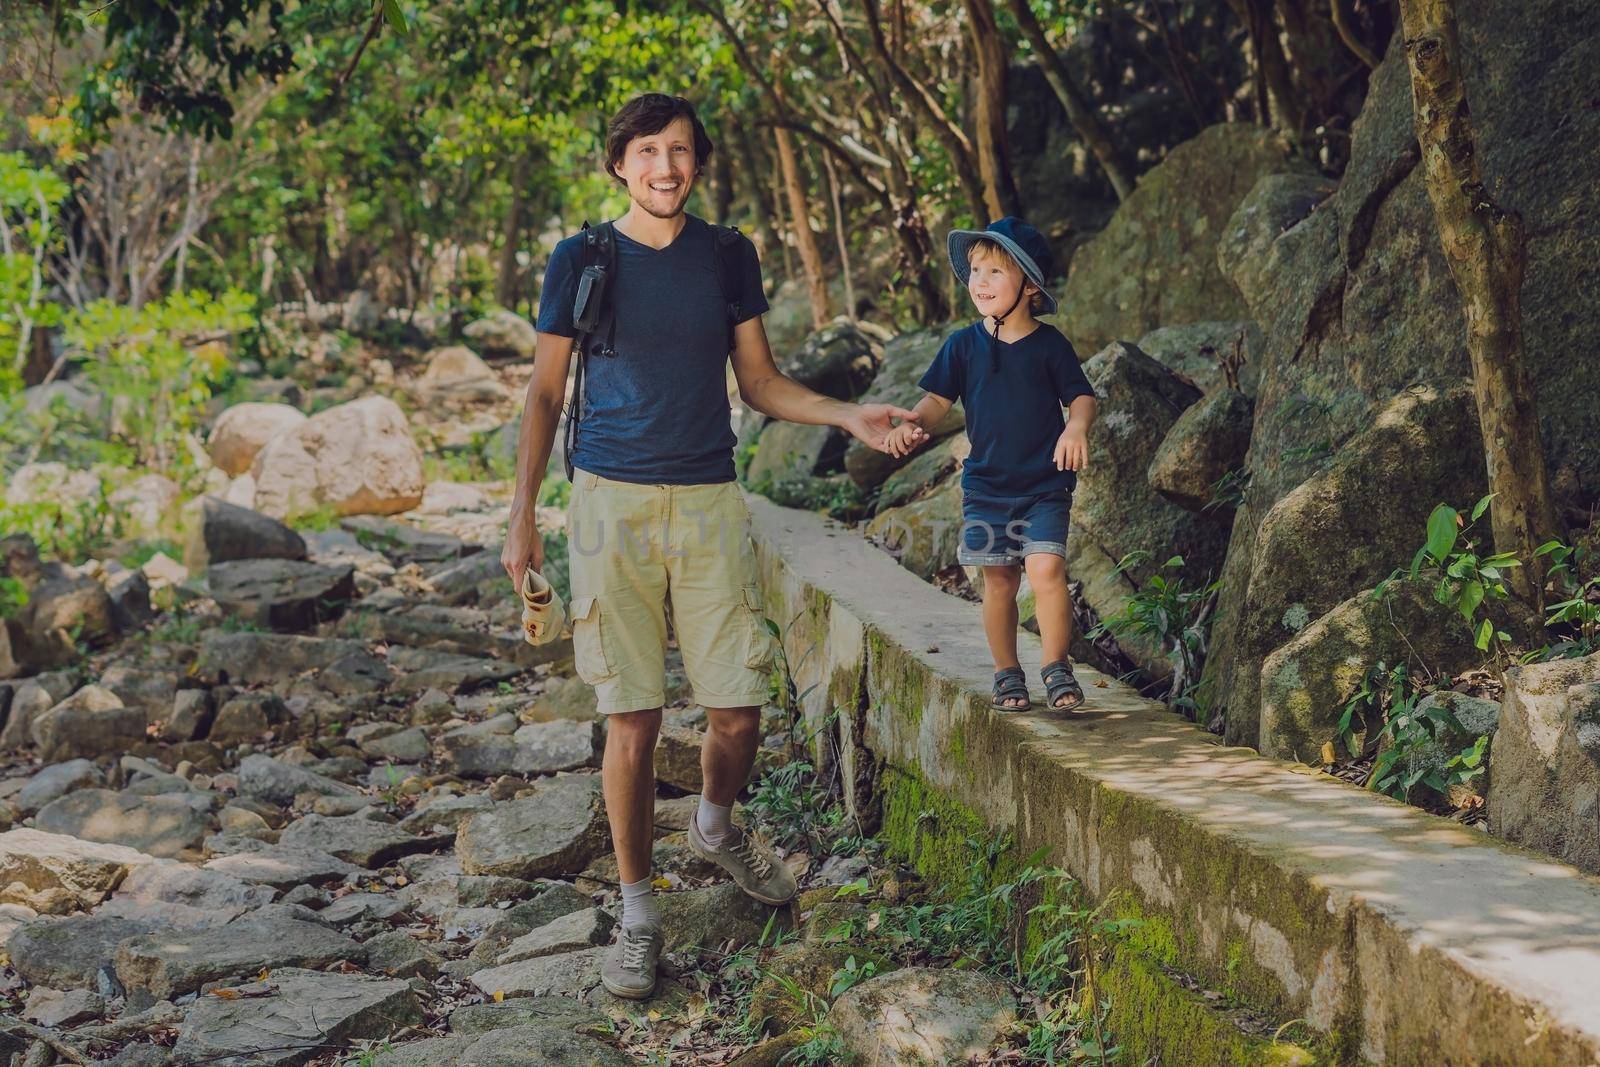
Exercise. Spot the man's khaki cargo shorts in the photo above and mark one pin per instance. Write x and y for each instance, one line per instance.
(634, 550)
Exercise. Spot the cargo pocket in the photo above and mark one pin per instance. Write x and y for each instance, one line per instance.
(762, 647)
(590, 657)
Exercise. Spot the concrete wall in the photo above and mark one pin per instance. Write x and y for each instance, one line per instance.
(1401, 937)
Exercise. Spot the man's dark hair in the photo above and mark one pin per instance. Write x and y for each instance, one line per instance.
(648, 114)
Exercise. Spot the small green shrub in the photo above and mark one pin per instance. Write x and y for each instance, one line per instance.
(1169, 612)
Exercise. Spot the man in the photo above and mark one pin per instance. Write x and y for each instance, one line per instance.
(656, 521)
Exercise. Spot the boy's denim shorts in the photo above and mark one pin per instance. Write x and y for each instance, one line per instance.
(997, 532)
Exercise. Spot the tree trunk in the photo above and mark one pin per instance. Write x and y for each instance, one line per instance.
(805, 241)
(721, 180)
(1286, 113)
(839, 235)
(994, 157)
(750, 171)
(1080, 110)
(506, 287)
(1486, 249)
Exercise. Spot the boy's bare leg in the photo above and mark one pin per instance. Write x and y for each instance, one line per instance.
(1047, 577)
(1000, 586)
(628, 777)
(728, 752)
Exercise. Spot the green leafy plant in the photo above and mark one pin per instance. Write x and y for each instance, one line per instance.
(1462, 579)
(1388, 718)
(1172, 614)
(1576, 617)
(29, 199)
(1227, 492)
(13, 596)
(63, 527)
(852, 974)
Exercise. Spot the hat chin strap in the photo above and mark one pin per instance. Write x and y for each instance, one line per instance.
(999, 321)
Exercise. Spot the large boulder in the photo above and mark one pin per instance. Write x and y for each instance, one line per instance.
(1114, 504)
(357, 457)
(554, 832)
(1544, 774)
(924, 534)
(64, 608)
(1305, 683)
(248, 658)
(1155, 263)
(1347, 527)
(500, 745)
(358, 839)
(905, 360)
(456, 377)
(243, 430)
(839, 360)
(146, 503)
(1207, 442)
(220, 532)
(1361, 303)
(1197, 350)
(162, 966)
(793, 450)
(922, 1015)
(503, 335)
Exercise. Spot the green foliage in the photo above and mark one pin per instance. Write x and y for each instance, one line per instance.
(13, 596)
(63, 527)
(1402, 731)
(1575, 616)
(830, 496)
(1227, 493)
(1462, 579)
(315, 520)
(141, 357)
(29, 199)
(1166, 611)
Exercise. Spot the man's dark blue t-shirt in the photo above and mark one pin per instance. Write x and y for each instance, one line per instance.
(657, 412)
(1014, 411)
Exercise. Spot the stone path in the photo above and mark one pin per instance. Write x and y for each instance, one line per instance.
(382, 831)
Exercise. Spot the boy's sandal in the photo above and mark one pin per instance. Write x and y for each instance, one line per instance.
(1010, 683)
(1059, 682)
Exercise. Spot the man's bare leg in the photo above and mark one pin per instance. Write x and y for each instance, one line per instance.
(628, 777)
(728, 752)
(726, 756)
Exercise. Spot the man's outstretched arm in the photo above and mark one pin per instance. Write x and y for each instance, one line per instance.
(763, 387)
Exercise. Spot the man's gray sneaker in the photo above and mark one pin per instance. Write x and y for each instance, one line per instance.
(629, 970)
(754, 868)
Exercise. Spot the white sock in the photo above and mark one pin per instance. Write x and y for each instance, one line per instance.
(639, 904)
(714, 821)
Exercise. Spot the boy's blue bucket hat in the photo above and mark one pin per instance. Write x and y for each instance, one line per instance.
(1026, 245)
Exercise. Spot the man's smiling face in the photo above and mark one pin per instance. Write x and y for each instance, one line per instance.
(659, 169)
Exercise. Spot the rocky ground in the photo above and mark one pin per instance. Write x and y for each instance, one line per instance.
(331, 808)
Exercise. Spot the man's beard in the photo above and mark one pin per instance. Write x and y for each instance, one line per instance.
(674, 213)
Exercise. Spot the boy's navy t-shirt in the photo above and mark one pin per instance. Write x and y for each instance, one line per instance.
(657, 412)
(1014, 412)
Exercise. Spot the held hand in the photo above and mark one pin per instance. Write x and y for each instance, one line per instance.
(872, 424)
(1072, 451)
(524, 548)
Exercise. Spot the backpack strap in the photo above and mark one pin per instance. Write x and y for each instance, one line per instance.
(728, 246)
(598, 249)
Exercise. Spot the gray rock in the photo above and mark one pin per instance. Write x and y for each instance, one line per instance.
(225, 532)
(265, 778)
(1276, 203)
(404, 543)
(519, 1046)
(161, 826)
(192, 715)
(400, 955)
(556, 831)
(1544, 776)
(922, 1015)
(58, 606)
(499, 745)
(1155, 263)
(502, 335)
(247, 717)
(91, 722)
(794, 450)
(57, 780)
(260, 658)
(54, 874)
(570, 933)
(280, 866)
(361, 907)
(150, 691)
(445, 814)
(406, 746)
(1196, 350)
(1208, 441)
(162, 966)
(905, 359)
(707, 919)
(142, 778)
(562, 1013)
(304, 1010)
(429, 669)
(180, 896)
(501, 927)
(30, 699)
(924, 534)
(280, 594)
(68, 953)
(927, 469)
(677, 757)
(53, 1009)
(358, 839)
(840, 360)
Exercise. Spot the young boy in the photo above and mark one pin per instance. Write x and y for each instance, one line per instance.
(1012, 375)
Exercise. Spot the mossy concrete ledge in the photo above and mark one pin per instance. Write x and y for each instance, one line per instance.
(1403, 938)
